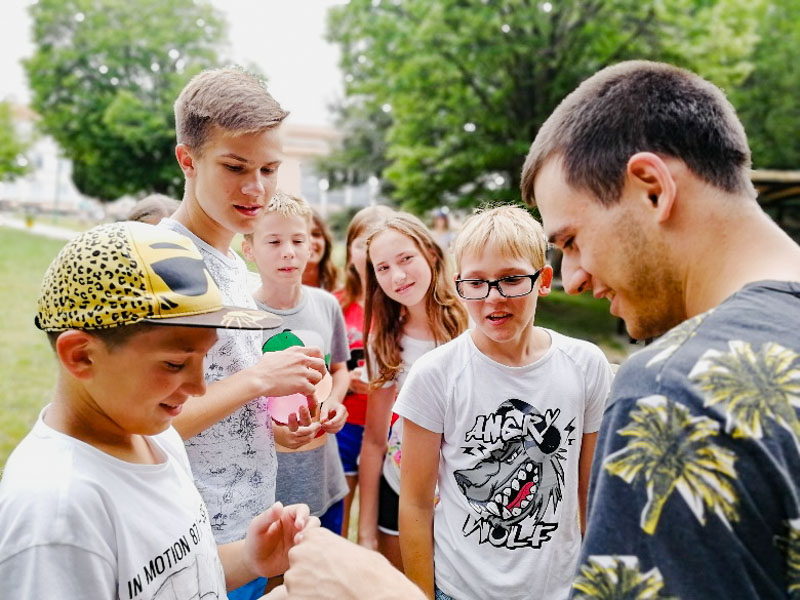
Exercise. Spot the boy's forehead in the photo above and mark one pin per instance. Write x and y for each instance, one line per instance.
(275, 223)
(265, 145)
(175, 337)
(493, 257)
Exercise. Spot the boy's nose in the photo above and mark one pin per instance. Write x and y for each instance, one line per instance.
(254, 186)
(195, 384)
(497, 295)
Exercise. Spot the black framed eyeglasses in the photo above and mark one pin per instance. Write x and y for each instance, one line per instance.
(512, 286)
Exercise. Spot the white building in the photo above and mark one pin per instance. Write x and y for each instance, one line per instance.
(47, 187)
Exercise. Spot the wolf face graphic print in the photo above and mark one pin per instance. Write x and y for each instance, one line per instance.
(509, 463)
(520, 481)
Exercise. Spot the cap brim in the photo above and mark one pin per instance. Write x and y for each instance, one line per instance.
(228, 317)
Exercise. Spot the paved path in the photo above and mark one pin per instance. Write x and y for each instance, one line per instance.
(51, 231)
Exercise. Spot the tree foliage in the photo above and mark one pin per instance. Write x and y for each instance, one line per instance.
(12, 146)
(104, 76)
(469, 82)
(767, 100)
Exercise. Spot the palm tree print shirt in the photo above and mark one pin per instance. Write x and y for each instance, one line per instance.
(695, 488)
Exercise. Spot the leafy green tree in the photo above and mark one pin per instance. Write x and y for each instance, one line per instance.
(469, 82)
(12, 146)
(767, 100)
(104, 77)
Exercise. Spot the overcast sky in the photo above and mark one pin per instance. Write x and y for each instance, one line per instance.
(284, 37)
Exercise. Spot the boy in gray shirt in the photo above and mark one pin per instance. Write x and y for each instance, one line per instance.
(308, 461)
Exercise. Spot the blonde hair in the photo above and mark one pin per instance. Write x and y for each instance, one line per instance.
(362, 221)
(447, 317)
(509, 230)
(231, 99)
(285, 205)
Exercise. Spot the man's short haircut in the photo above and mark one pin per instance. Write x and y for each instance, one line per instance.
(230, 99)
(640, 106)
(286, 205)
(509, 230)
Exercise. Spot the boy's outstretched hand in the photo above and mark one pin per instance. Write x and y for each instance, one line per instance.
(325, 566)
(272, 534)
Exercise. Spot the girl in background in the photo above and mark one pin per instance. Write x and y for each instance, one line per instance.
(320, 271)
(411, 307)
(351, 299)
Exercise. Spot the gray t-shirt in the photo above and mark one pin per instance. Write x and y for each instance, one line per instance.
(695, 487)
(233, 461)
(314, 477)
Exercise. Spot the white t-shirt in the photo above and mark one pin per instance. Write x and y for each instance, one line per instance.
(78, 523)
(233, 461)
(506, 525)
(410, 350)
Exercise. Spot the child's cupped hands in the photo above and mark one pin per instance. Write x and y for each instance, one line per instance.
(333, 416)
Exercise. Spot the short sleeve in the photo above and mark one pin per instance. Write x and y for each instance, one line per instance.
(59, 571)
(423, 396)
(598, 384)
(340, 350)
(374, 368)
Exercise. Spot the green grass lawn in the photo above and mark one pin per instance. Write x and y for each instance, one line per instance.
(27, 365)
(584, 317)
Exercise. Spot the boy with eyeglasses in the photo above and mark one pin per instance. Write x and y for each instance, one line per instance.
(504, 418)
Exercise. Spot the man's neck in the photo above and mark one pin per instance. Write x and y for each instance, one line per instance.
(742, 249)
(195, 219)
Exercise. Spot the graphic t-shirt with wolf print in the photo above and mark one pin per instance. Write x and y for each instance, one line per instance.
(695, 489)
(506, 525)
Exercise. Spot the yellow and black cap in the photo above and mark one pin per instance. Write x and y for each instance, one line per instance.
(128, 272)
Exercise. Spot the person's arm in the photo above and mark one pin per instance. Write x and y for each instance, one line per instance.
(588, 443)
(333, 413)
(264, 551)
(357, 383)
(325, 566)
(290, 371)
(418, 474)
(370, 463)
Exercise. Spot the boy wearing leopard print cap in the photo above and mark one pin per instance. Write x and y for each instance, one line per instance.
(229, 150)
(98, 500)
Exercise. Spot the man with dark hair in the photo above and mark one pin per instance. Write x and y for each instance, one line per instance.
(641, 178)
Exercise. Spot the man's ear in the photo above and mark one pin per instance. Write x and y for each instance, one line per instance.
(545, 280)
(76, 350)
(185, 159)
(650, 180)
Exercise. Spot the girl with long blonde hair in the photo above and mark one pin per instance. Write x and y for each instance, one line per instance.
(411, 307)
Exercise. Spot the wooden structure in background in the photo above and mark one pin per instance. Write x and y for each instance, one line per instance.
(779, 196)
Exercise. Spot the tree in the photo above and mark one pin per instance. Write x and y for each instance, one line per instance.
(469, 82)
(104, 77)
(767, 100)
(12, 146)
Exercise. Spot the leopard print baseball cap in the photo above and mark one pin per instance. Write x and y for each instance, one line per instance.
(128, 272)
